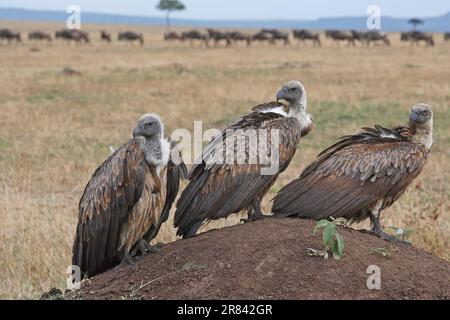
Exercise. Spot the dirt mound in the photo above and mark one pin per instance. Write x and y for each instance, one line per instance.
(268, 260)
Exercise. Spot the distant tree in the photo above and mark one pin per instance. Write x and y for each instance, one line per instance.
(169, 6)
(415, 22)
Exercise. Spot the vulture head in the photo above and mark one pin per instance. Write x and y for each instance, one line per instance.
(294, 93)
(148, 126)
(421, 115)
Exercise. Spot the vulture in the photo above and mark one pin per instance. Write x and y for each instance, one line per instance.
(127, 199)
(361, 174)
(219, 188)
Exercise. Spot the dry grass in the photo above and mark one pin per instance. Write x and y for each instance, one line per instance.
(55, 130)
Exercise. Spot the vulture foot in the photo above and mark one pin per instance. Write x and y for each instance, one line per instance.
(143, 247)
(127, 260)
(384, 236)
(140, 249)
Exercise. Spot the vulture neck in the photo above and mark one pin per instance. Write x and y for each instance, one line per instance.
(154, 150)
(423, 134)
(297, 109)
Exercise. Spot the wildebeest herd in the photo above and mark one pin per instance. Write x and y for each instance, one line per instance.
(214, 37)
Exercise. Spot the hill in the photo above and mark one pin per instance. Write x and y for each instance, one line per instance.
(268, 260)
(391, 24)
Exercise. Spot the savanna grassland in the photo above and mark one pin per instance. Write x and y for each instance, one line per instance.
(56, 129)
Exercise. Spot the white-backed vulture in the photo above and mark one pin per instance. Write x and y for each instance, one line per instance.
(361, 174)
(218, 189)
(127, 199)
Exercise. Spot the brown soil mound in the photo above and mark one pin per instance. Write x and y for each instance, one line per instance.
(267, 260)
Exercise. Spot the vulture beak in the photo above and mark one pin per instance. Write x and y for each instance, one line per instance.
(137, 132)
(281, 94)
(413, 117)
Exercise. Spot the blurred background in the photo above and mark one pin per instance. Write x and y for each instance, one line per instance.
(67, 96)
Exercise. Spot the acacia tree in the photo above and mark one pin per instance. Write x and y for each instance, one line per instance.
(415, 22)
(169, 6)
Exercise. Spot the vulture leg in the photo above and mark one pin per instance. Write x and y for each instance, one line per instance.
(127, 260)
(254, 213)
(143, 247)
(377, 230)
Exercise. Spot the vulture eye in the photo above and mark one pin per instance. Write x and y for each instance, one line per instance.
(292, 89)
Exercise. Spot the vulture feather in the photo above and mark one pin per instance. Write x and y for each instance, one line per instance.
(127, 199)
(361, 174)
(218, 188)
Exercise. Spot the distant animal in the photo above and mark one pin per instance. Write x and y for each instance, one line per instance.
(447, 36)
(219, 186)
(127, 199)
(193, 35)
(374, 36)
(237, 36)
(263, 37)
(39, 35)
(131, 36)
(414, 37)
(358, 35)
(418, 36)
(105, 36)
(75, 35)
(302, 35)
(406, 36)
(172, 36)
(283, 36)
(9, 35)
(337, 36)
(361, 174)
(218, 36)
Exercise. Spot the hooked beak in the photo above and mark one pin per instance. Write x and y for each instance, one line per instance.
(281, 94)
(137, 132)
(413, 117)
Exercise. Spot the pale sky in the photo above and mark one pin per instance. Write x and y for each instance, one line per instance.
(247, 9)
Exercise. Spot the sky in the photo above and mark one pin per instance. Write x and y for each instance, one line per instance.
(247, 9)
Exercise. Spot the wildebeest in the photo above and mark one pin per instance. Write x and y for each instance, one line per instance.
(358, 35)
(195, 35)
(105, 36)
(446, 36)
(9, 35)
(218, 36)
(374, 36)
(337, 35)
(302, 35)
(72, 35)
(236, 36)
(172, 36)
(283, 36)
(262, 36)
(416, 36)
(39, 35)
(276, 35)
(131, 36)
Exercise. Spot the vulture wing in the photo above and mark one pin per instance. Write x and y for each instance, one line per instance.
(107, 201)
(217, 189)
(354, 174)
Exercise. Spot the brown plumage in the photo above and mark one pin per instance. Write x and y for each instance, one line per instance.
(126, 200)
(361, 174)
(219, 188)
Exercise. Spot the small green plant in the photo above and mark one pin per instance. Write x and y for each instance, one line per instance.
(332, 240)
